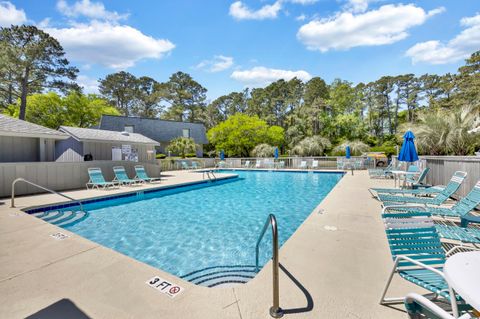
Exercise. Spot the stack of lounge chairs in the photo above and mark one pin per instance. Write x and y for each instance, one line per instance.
(97, 180)
(416, 222)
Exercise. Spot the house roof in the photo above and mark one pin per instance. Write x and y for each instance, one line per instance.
(10, 126)
(156, 129)
(95, 135)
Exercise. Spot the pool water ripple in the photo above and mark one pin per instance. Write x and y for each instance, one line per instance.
(181, 232)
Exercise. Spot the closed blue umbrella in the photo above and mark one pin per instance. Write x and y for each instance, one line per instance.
(275, 154)
(348, 152)
(222, 155)
(408, 152)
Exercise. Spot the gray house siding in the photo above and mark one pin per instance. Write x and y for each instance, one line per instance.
(49, 150)
(161, 131)
(103, 151)
(72, 150)
(19, 149)
(69, 150)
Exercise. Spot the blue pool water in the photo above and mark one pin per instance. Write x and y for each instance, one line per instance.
(186, 229)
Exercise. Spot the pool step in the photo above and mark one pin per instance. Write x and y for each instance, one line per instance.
(62, 218)
(221, 276)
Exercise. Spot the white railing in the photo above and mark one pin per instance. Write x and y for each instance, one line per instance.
(314, 162)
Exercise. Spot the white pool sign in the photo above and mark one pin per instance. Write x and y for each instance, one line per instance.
(164, 286)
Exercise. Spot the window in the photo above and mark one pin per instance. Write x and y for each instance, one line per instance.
(186, 132)
(128, 128)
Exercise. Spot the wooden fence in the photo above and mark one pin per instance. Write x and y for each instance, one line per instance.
(443, 167)
(60, 176)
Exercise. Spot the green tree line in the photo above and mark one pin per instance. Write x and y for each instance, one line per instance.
(37, 83)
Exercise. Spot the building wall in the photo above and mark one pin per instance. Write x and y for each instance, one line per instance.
(162, 131)
(49, 150)
(19, 149)
(103, 151)
(69, 150)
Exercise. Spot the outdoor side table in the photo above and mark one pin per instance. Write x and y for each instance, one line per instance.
(396, 175)
(462, 272)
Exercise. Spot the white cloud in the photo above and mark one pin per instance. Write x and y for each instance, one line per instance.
(115, 46)
(88, 84)
(458, 48)
(86, 8)
(9, 15)
(385, 25)
(357, 6)
(217, 64)
(45, 23)
(240, 11)
(260, 76)
(301, 17)
(303, 2)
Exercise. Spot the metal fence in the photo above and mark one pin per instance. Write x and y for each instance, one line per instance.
(320, 162)
(314, 162)
(176, 164)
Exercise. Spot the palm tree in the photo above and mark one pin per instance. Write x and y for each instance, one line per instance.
(446, 132)
(312, 146)
(182, 146)
(263, 150)
(356, 147)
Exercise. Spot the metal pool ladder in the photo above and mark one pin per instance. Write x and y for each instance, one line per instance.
(211, 176)
(41, 187)
(275, 310)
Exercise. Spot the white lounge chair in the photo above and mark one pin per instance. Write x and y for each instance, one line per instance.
(258, 164)
(315, 164)
(247, 164)
(303, 165)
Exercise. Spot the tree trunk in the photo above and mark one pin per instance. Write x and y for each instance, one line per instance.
(397, 106)
(23, 98)
(10, 89)
(387, 106)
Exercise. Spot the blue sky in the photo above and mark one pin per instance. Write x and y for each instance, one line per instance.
(229, 45)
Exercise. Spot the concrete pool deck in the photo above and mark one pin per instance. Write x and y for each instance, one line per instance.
(334, 266)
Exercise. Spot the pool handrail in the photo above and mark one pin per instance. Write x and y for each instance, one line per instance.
(20, 179)
(275, 310)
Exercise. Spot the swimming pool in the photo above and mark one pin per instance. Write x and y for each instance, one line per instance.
(205, 233)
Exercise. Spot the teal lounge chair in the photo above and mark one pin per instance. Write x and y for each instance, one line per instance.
(383, 172)
(455, 182)
(419, 258)
(416, 191)
(418, 306)
(122, 178)
(141, 175)
(96, 179)
(464, 206)
(303, 165)
(185, 165)
(194, 165)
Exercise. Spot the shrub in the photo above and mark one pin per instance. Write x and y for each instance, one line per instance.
(160, 156)
(388, 150)
(356, 148)
(182, 146)
(312, 146)
(190, 155)
(263, 150)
